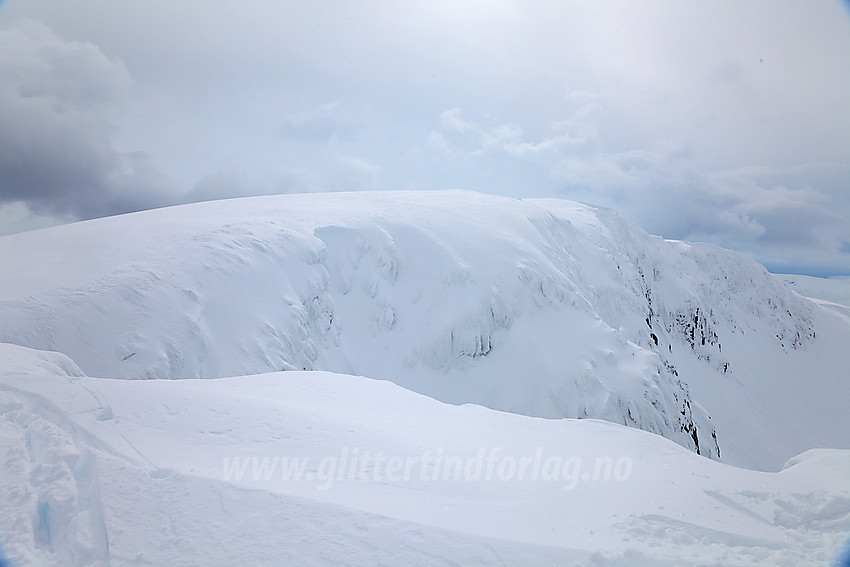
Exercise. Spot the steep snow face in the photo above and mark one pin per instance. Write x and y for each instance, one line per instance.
(541, 307)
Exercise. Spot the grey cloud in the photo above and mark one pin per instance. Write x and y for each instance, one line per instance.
(330, 169)
(222, 184)
(299, 180)
(783, 215)
(790, 223)
(344, 171)
(56, 152)
(458, 137)
(316, 125)
(691, 130)
(729, 71)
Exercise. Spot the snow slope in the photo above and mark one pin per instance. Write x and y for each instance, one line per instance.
(538, 307)
(191, 472)
(832, 293)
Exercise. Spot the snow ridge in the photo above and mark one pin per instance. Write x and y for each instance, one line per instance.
(123, 472)
(541, 307)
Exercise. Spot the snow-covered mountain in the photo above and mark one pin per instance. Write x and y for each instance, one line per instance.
(539, 307)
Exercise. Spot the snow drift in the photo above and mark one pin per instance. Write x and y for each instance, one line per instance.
(539, 307)
(235, 471)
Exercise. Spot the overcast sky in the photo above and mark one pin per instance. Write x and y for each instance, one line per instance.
(726, 122)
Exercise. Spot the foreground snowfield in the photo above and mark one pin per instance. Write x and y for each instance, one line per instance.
(383, 378)
(200, 472)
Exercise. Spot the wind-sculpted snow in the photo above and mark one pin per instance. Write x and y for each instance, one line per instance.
(540, 307)
(315, 468)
